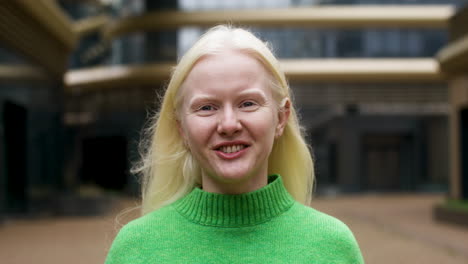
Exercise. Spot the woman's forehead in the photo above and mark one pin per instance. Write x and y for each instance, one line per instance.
(227, 64)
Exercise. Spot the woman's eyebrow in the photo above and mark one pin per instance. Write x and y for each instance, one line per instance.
(206, 97)
(253, 91)
(198, 98)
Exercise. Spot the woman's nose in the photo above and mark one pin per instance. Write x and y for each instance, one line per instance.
(229, 123)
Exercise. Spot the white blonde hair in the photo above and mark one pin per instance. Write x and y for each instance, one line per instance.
(167, 167)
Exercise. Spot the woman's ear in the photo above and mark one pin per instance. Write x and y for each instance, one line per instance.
(283, 116)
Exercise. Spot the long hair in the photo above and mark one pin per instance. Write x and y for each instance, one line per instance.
(168, 169)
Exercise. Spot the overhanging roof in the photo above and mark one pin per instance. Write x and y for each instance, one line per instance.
(95, 78)
(313, 70)
(21, 73)
(39, 30)
(419, 16)
(453, 58)
(363, 70)
(91, 24)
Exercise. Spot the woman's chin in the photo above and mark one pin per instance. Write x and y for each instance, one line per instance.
(232, 177)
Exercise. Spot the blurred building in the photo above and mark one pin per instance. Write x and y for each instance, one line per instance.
(365, 136)
(74, 98)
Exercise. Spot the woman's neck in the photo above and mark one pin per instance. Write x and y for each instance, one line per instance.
(244, 184)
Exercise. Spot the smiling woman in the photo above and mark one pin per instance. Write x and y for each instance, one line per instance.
(229, 120)
(227, 175)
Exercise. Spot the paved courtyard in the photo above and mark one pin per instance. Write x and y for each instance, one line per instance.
(389, 229)
(399, 228)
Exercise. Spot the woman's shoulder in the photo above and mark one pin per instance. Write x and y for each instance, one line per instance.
(317, 220)
(136, 235)
(322, 224)
(313, 216)
(333, 234)
(152, 224)
(150, 221)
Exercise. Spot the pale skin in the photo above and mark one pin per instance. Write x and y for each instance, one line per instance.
(229, 121)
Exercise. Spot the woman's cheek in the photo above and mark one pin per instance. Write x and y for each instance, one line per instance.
(262, 120)
(200, 128)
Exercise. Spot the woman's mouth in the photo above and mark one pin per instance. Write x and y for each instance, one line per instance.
(232, 149)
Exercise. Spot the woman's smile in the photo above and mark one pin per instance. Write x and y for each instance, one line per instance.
(231, 150)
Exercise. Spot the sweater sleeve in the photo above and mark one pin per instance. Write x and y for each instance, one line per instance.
(125, 248)
(350, 249)
(343, 247)
(333, 239)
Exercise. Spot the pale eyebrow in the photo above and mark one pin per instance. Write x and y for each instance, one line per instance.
(249, 92)
(254, 92)
(200, 98)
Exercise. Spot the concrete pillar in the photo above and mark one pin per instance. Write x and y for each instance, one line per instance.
(458, 139)
(349, 158)
(2, 168)
(453, 60)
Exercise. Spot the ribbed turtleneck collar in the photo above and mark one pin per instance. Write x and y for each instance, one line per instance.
(245, 209)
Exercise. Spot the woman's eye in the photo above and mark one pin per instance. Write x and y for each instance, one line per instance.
(206, 108)
(247, 104)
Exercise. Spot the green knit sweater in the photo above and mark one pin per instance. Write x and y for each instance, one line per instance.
(263, 226)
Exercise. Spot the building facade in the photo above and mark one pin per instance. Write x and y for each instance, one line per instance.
(365, 136)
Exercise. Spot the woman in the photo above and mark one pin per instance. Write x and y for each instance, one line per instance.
(227, 122)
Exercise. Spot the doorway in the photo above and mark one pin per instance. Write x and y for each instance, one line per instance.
(387, 162)
(15, 120)
(464, 152)
(105, 162)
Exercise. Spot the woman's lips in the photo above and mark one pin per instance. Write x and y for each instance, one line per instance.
(232, 155)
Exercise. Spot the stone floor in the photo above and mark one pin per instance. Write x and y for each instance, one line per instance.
(389, 229)
(399, 228)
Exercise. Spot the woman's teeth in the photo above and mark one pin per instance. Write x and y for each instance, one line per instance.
(231, 149)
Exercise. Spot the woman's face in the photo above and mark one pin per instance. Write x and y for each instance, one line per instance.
(229, 120)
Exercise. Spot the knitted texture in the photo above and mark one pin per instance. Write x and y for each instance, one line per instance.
(264, 226)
